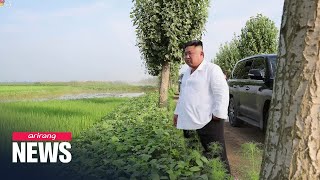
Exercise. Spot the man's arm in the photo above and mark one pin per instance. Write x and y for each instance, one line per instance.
(220, 93)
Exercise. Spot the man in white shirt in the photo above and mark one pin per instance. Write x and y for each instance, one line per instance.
(203, 100)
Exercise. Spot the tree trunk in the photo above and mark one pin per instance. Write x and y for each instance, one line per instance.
(292, 146)
(164, 84)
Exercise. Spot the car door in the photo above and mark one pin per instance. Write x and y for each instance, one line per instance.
(244, 89)
(253, 97)
(236, 83)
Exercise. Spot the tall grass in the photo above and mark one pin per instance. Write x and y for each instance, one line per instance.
(57, 115)
(252, 155)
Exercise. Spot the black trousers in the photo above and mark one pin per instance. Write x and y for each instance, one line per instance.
(213, 132)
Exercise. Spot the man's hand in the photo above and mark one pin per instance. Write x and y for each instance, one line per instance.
(175, 120)
(215, 118)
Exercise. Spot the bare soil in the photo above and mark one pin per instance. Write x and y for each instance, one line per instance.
(234, 138)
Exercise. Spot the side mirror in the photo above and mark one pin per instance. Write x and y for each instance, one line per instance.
(257, 74)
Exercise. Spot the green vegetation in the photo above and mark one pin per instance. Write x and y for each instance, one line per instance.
(25, 91)
(252, 155)
(117, 137)
(161, 29)
(57, 115)
(227, 56)
(259, 36)
(138, 141)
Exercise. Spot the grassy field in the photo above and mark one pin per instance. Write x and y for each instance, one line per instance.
(56, 115)
(27, 91)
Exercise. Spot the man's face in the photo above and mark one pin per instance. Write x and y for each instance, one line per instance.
(193, 56)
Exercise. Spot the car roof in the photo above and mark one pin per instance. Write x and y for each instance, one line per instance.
(258, 55)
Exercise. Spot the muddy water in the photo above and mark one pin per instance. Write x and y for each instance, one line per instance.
(98, 95)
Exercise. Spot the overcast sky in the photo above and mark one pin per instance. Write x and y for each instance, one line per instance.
(61, 40)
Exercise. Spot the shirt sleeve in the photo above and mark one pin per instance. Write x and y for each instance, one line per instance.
(220, 93)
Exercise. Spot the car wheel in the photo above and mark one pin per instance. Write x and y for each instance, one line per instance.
(232, 113)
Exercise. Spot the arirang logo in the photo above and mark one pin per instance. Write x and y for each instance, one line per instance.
(28, 147)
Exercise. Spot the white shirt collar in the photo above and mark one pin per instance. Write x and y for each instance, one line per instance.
(200, 67)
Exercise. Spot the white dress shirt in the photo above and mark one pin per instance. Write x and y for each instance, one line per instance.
(203, 93)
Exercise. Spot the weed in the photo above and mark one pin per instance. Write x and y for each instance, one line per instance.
(251, 153)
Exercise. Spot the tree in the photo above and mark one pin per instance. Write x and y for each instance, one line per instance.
(258, 36)
(174, 75)
(292, 147)
(161, 28)
(227, 56)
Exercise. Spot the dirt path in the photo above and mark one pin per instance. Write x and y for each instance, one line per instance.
(234, 137)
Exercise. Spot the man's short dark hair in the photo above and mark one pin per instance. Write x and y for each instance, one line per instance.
(193, 43)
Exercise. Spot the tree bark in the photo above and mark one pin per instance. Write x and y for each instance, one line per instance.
(164, 84)
(292, 145)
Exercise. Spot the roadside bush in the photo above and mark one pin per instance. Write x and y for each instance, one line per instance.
(138, 141)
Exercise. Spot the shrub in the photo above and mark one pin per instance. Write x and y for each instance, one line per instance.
(138, 141)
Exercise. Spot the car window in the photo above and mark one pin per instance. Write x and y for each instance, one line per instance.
(260, 64)
(242, 69)
(273, 65)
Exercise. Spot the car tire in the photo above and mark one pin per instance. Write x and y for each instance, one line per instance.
(232, 113)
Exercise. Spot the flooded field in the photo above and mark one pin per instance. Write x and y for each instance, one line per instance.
(81, 96)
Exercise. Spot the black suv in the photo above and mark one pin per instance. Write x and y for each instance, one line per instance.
(250, 88)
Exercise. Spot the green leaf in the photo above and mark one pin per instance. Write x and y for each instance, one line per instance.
(204, 177)
(115, 139)
(194, 169)
(199, 163)
(155, 176)
(204, 159)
